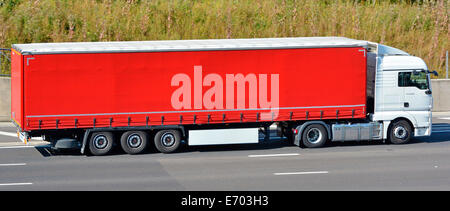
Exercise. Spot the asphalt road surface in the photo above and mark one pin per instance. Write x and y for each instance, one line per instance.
(423, 164)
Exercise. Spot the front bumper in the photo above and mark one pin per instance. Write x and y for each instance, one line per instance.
(422, 131)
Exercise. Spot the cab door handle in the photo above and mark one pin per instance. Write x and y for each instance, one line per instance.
(428, 92)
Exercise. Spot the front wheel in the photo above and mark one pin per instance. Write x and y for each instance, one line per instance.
(400, 132)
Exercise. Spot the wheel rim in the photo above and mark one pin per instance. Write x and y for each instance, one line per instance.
(314, 135)
(134, 140)
(400, 132)
(100, 141)
(168, 139)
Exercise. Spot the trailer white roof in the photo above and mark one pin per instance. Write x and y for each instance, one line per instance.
(187, 45)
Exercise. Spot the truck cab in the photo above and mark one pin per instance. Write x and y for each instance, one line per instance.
(403, 99)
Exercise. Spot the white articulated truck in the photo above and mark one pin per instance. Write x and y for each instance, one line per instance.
(221, 91)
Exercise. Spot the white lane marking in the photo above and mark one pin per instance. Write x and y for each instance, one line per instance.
(273, 155)
(16, 147)
(301, 173)
(15, 135)
(447, 118)
(8, 134)
(11, 184)
(13, 164)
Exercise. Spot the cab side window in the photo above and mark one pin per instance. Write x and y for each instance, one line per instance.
(410, 79)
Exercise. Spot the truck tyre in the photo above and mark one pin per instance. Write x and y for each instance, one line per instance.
(134, 142)
(314, 136)
(167, 141)
(101, 143)
(400, 132)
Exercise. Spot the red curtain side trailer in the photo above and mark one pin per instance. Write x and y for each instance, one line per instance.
(75, 91)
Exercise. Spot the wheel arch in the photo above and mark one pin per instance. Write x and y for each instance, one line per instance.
(388, 128)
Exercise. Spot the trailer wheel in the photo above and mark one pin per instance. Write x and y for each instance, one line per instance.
(314, 136)
(101, 143)
(167, 141)
(400, 132)
(134, 142)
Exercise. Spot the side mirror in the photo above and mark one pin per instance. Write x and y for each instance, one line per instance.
(435, 73)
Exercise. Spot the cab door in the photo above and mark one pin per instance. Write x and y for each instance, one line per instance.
(416, 90)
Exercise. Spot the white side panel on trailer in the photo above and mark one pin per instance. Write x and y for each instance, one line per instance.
(223, 136)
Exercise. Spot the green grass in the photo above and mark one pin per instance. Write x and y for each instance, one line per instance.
(420, 28)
